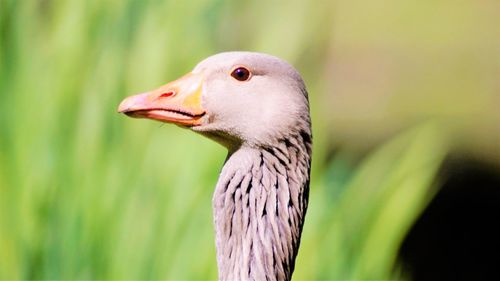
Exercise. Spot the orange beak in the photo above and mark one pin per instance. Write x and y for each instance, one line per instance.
(178, 102)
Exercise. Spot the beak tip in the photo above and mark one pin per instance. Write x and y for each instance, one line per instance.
(120, 109)
(124, 106)
(132, 102)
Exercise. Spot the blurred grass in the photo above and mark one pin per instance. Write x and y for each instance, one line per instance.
(359, 230)
(88, 194)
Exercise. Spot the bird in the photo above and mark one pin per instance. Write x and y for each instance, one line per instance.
(256, 105)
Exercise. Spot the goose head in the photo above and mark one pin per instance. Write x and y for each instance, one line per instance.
(256, 105)
(234, 98)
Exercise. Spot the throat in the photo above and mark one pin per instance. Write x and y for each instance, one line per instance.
(259, 207)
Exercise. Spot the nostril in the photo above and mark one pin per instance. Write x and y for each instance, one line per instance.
(167, 94)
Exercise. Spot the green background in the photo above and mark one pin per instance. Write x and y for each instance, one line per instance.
(86, 193)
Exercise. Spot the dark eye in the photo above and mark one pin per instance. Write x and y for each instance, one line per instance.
(241, 74)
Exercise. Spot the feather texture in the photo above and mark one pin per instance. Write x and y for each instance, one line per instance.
(259, 205)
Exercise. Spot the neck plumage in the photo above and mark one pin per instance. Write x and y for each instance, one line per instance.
(259, 206)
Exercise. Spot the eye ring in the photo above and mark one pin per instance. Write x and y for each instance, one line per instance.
(241, 73)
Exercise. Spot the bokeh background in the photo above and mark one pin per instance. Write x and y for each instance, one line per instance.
(404, 97)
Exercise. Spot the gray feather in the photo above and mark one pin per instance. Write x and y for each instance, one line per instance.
(259, 205)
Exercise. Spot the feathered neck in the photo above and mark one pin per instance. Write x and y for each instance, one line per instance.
(259, 203)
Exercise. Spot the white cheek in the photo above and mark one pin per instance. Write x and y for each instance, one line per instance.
(216, 100)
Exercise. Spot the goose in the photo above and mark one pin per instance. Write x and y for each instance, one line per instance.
(256, 105)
